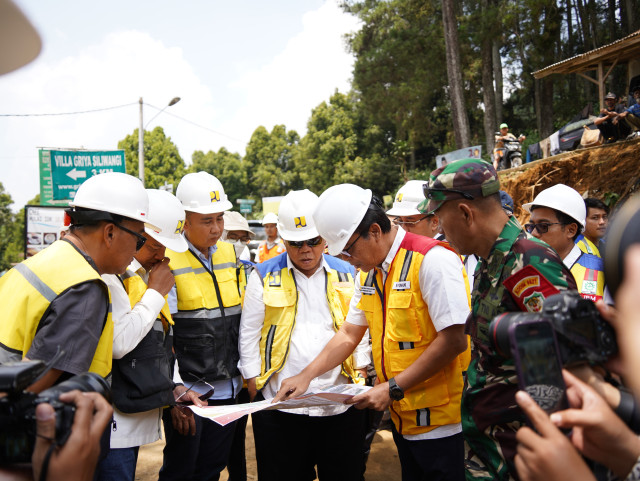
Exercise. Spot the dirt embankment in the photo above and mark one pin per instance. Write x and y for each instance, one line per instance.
(598, 170)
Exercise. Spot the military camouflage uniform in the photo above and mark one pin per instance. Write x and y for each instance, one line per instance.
(490, 416)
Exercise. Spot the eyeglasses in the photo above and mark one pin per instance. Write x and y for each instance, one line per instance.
(542, 227)
(140, 239)
(428, 192)
(310, 242)
(346, 250)
(399, 221)
(202, 397)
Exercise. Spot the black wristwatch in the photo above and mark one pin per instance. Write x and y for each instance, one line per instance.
(395, 392)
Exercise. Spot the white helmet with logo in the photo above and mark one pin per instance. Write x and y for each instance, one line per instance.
(202, 193)
(408, 198)
(270, 218)
(111, 193)
(166, 212)
(339, 212)
(296, 216)
(564, 199)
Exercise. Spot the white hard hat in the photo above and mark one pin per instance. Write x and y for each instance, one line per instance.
(270, 218)
(236, 221)
(295, 217)
(564, 199)
(408, 198)
(166, 212)
(340, 210)
(115, 193)
(202, 193)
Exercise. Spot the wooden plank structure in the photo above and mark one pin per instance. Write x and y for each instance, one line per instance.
(601, 60)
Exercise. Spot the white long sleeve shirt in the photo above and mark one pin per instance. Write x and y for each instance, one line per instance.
(312, 331)
(130, 325)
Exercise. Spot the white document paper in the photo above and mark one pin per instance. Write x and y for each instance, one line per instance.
(226, 414)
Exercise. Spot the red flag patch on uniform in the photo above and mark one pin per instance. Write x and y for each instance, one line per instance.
(529, 288)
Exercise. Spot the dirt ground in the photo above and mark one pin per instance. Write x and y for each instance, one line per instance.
(612, 168)
(383, 464)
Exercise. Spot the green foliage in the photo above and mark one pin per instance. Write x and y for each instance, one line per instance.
(162, 162)
(12, 231)
(270, 162)
(229, 168)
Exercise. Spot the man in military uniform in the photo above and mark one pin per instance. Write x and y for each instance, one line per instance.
(465, 195)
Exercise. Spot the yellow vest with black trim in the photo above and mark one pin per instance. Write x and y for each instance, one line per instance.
(208, 318)
(588, 271)
(27, 291)
(280, 296)
(143, 378)
(136, 287)
(401, 330)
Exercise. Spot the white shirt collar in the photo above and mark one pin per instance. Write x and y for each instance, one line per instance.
(295, 269)
(394, 249)
(572, 257)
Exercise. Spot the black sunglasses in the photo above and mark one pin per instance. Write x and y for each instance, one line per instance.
(542, 227)
(310, 242)
(428, 192)
(140, 239)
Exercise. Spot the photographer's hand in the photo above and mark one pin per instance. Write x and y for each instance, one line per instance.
(77, 459)
(548, 454)
(598, 432)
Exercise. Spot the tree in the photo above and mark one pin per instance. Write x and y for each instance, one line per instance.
(454, 74)
(6, 228)
(270, 162)
(162, 161)
(229, 168)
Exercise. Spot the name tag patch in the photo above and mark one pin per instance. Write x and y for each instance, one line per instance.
(402, 285)
(367, 290)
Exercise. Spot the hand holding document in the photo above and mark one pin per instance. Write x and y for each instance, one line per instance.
(224, 415)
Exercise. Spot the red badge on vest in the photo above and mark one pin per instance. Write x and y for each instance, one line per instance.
(529, 288)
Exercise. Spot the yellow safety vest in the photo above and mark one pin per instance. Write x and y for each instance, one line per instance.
(208, 318)
(401, 330)
(280, 296)
(27, 291)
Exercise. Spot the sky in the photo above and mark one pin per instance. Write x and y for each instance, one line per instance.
(235, 65)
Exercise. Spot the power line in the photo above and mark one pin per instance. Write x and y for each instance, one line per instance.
(197, 125)
(69, 113)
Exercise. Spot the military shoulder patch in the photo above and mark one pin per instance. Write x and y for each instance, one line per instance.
(529, 288)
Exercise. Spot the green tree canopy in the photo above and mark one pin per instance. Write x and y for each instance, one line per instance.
(229, 168)
(162, 161)
(270, 161)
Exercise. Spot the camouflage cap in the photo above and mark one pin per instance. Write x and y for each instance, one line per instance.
(464, 178)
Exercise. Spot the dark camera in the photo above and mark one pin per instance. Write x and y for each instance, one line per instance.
(583, 336)
(18, 407)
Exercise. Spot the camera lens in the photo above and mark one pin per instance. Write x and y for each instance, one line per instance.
(86, 382)
(623, 232)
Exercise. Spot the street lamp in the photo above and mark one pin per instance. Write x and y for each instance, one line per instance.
(174, 101)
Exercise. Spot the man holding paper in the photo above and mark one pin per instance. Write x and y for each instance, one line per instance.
(294, 304)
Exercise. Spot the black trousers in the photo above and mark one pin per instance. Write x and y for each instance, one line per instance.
(197, 458)
(290, 446)
(431, 459)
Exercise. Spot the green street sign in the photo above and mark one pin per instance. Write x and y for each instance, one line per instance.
(245, 201)
(63, 171)
(245, 208)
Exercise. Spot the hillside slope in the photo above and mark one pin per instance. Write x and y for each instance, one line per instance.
(611, 168)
